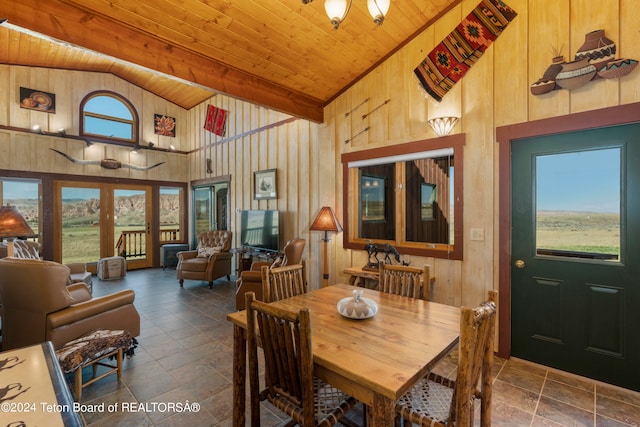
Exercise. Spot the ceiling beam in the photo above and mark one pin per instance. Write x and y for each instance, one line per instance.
(59, 20)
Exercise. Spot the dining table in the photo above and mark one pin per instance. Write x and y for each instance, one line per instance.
(376, 360)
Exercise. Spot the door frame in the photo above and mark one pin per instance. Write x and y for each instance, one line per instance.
(611, 116)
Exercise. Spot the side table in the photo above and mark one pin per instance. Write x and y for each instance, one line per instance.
(361, 277)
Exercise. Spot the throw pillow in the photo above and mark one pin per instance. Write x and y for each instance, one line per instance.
(207, 251)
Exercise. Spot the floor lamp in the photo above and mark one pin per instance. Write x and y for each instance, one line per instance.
(326, 221)
(13, 225)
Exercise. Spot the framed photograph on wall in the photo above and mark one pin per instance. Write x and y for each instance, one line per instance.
(264, 184)
(33, 99)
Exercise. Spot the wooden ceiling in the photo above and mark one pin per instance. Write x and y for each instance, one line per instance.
(281, 54)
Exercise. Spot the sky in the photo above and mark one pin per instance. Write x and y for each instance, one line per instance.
(586, 181)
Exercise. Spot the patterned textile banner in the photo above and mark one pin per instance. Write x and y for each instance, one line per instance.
(448, 62)
(216, 120)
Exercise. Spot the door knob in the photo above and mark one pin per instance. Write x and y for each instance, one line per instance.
(519, 263)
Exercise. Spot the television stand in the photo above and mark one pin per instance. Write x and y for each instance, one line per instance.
(247, 255)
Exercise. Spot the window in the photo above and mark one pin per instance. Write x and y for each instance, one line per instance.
(24, 194)
(406, 195)
(171, 213)
(107, 115)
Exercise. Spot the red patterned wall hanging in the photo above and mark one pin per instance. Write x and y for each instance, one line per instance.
(448, 62)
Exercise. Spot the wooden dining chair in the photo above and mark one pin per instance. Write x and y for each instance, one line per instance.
(285, 338)
(283, 282)
(412, 282)
(439, 401)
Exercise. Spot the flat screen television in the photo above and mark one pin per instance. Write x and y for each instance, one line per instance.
(260, 229)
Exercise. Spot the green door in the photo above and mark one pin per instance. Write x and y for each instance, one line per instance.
(576, 253)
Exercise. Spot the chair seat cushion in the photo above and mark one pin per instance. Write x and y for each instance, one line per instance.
(195, 264)
(92, 346)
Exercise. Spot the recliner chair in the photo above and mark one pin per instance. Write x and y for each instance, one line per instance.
(39, 306)
(251, 280)
(209, 261)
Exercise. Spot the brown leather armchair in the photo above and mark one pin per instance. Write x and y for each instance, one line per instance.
(251, 280)
(38, 306)
(211, 260)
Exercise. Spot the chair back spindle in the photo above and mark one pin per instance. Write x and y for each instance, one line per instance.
(412, 282)
(283, 282)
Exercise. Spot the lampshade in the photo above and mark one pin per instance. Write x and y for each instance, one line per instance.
(378, 9)
(326, 221)
(336, 11)
(442, 126)
(12, 224)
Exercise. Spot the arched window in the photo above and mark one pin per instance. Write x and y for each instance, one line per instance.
(108, 116)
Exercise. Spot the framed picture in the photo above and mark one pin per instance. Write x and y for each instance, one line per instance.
(164, 125)
(264, 184)
(37, 100)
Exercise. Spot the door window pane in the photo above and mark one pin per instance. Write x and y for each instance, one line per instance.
(80, 224)
(578, 204)
(129, 221)
(170, 214)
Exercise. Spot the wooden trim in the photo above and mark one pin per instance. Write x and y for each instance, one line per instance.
(439, 250)
(505, 135)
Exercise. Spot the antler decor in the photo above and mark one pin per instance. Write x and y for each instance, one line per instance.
(106, 163)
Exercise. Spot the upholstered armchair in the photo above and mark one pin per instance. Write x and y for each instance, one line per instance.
(209, 261)
(251, 280)
(39, 306)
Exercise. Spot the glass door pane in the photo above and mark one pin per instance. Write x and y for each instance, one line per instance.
(130, 225)
(202, 209)
(578, 204)
(80, 216)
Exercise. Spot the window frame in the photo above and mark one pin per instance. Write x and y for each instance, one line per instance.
(135, 122)
(351, 198)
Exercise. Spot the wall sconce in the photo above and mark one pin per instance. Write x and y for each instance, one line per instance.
(89, 143)
(172, 147)
(337, 10)
(62, 132)
(443, 126)
(151, 144)
(135, 149)
(326, 221)
(38, 129)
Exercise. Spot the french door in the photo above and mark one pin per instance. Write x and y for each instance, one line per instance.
(94, 221)
(576, 254)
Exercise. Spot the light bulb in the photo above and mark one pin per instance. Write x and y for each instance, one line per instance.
(378, 9)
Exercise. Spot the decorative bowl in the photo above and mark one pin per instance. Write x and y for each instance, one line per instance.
(357, 307)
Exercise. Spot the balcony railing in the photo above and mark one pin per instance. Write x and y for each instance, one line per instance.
(133, 243)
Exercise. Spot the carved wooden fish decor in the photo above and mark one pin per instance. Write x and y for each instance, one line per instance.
(106, 163)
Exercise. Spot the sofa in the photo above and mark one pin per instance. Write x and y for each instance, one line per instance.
(251, 280)
(38, 305)
(209, 261)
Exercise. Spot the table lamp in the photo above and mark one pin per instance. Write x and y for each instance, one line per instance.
(13, 225)
(326, 221)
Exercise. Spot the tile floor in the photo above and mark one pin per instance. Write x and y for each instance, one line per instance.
(185, 355)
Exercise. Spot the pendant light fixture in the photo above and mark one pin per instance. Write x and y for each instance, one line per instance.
(337, 10)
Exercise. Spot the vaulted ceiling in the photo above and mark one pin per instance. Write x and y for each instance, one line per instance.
(281, 54)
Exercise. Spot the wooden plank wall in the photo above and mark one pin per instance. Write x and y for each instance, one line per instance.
(30, 151)
(495, 92)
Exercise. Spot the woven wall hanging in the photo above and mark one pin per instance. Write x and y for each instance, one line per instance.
(449, 61)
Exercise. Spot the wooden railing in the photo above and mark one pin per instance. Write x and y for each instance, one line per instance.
(133, 243)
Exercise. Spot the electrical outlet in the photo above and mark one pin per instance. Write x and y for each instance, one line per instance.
(477, 234)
